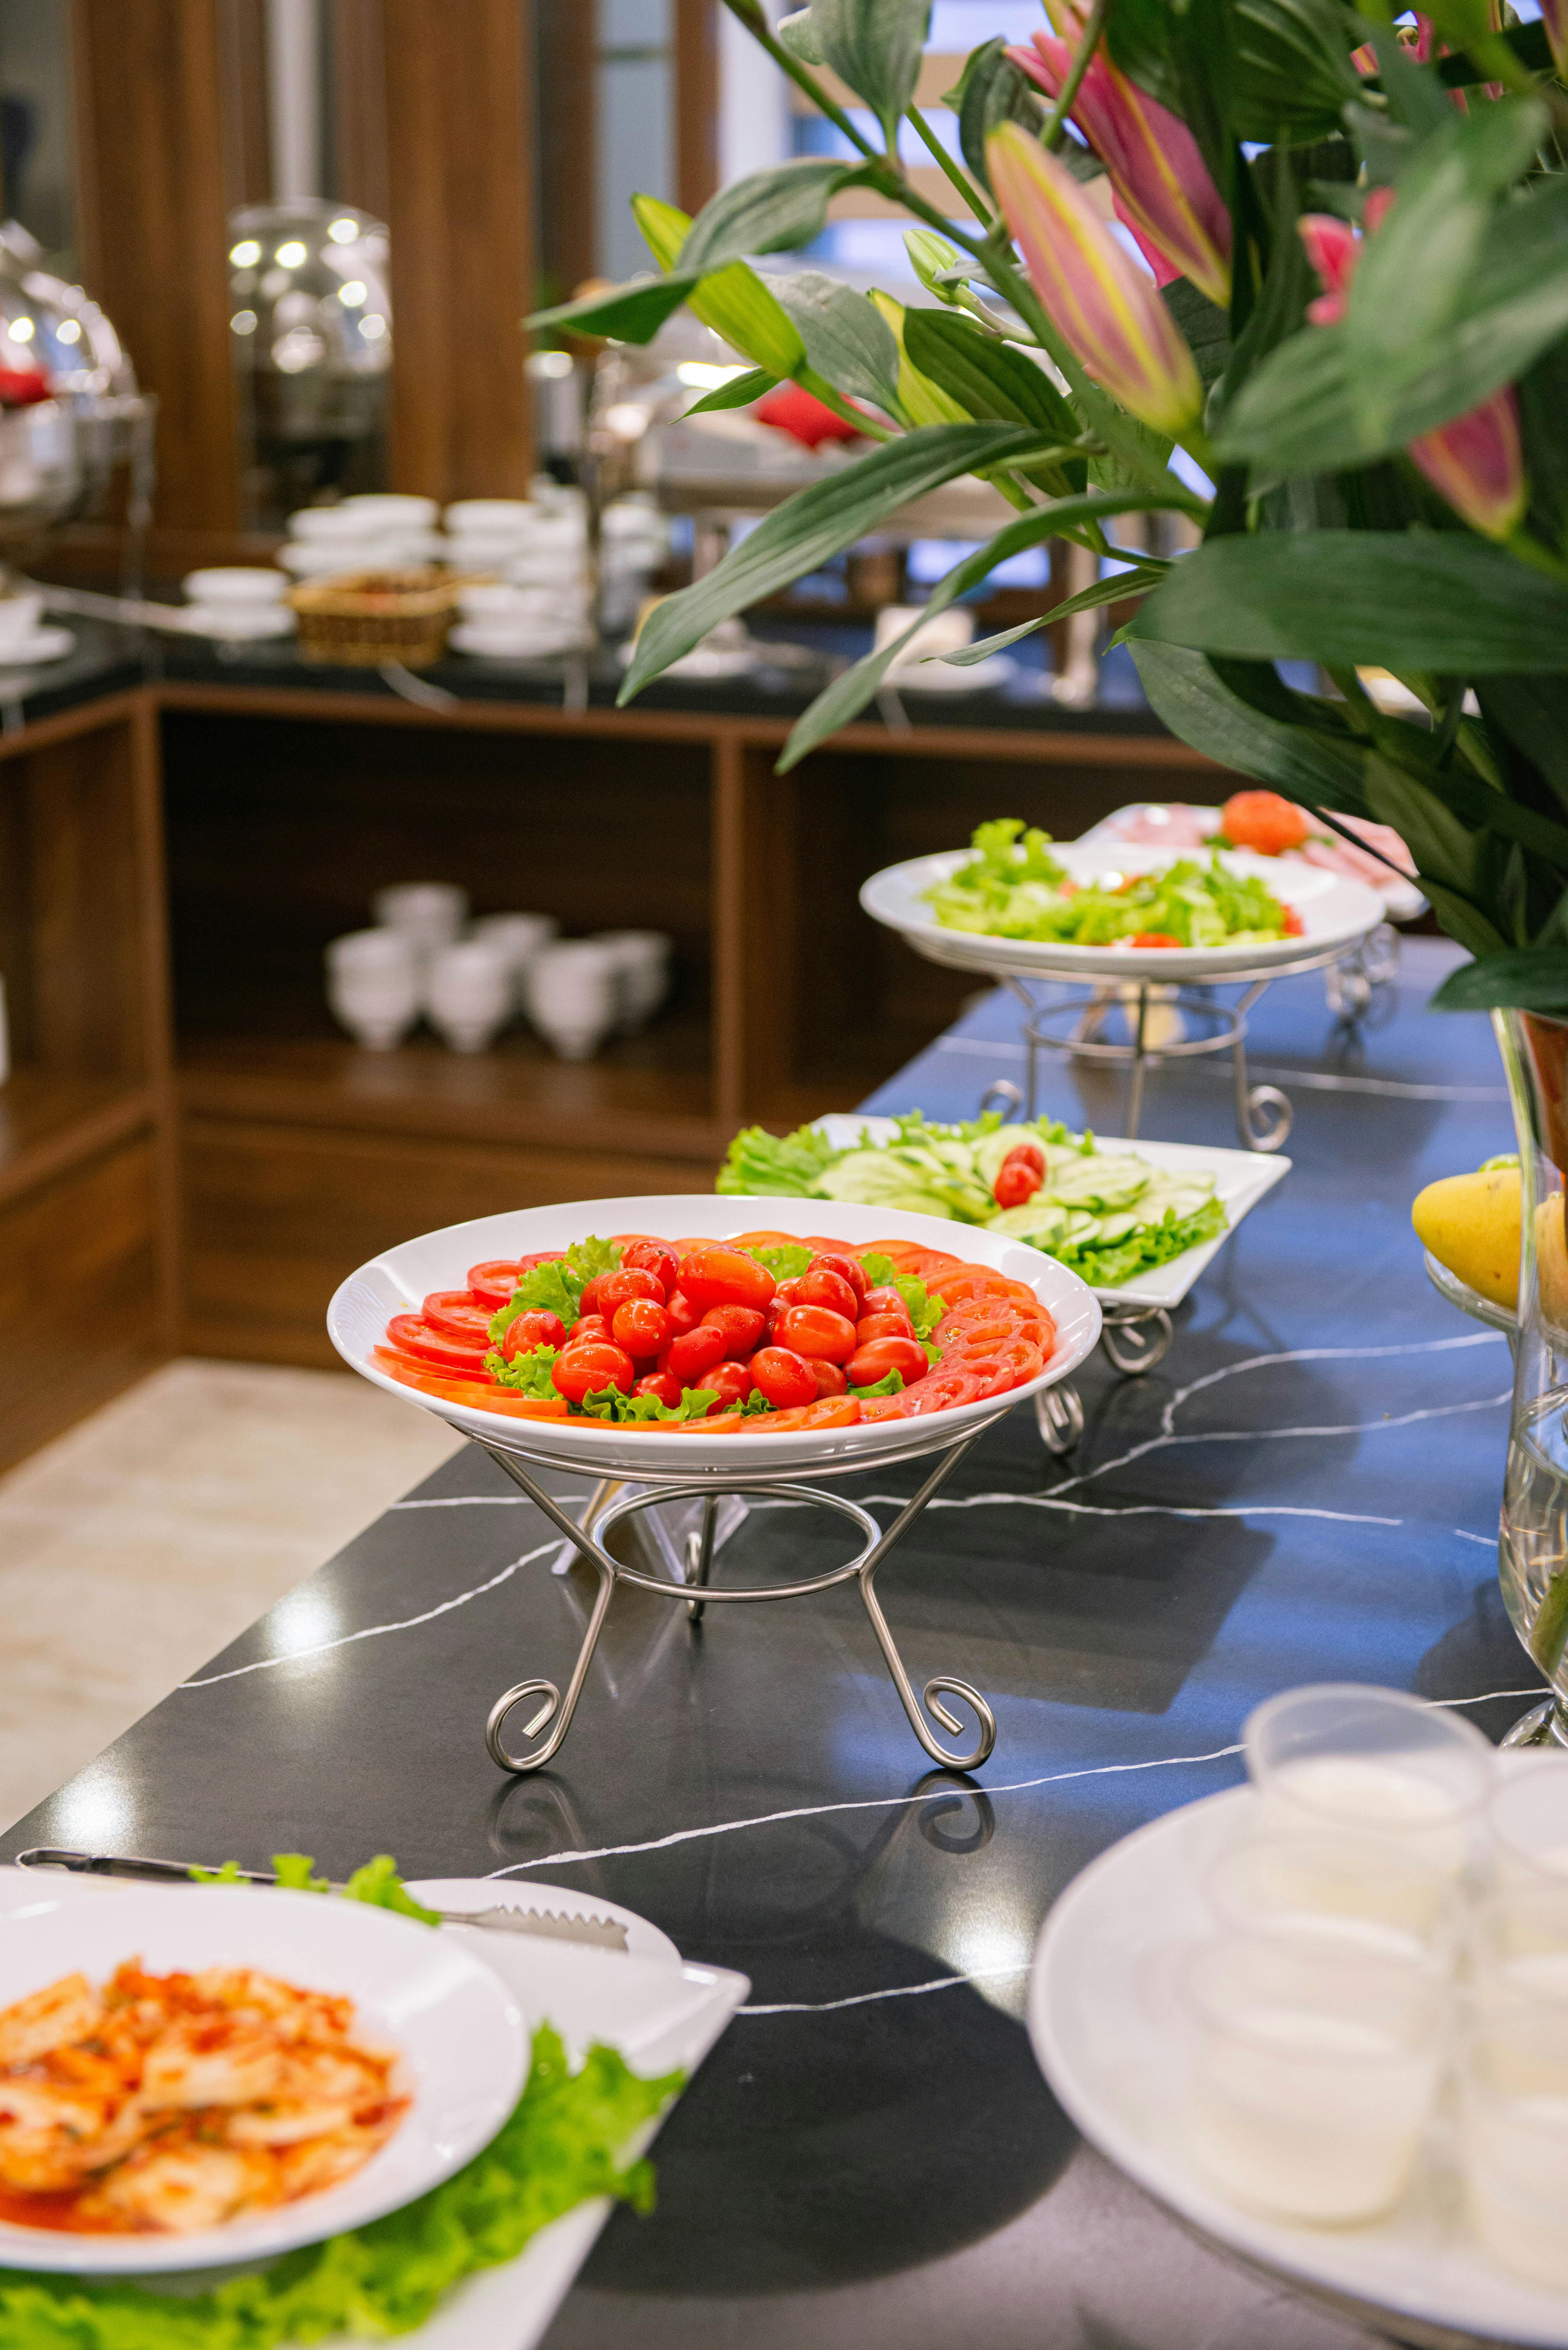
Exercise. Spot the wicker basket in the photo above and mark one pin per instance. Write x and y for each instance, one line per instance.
(366, 619)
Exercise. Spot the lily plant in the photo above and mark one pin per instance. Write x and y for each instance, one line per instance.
(1341, 295)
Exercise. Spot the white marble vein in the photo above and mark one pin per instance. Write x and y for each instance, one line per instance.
(374, 1631)
(869, 1998)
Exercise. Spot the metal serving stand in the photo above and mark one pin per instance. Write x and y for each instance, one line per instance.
(614, 1501)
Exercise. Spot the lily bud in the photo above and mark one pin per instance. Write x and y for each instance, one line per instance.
(1098, 299)
(1477, 464)
(1554, 17)
(1161, 183)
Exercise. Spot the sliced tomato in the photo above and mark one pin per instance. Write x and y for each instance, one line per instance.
(940, 1390)
(477, 1396)
(492, 1284)
(455, 1315)
(766, 1240)
(829, 1411)
(414, 1335)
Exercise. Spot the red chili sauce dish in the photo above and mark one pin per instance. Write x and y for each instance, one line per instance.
(764, 1332)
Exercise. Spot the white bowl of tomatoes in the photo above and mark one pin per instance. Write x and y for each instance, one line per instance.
(690, 1335)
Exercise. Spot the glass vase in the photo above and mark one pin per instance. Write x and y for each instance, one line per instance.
(1532, 1548)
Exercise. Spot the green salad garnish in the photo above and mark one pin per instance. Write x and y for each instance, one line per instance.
(1013, 889)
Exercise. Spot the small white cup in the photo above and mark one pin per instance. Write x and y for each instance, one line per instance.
(642, 958)
(573, 993)
(334, 524)
(234, 583)
(490, 517)
(498, 603)
(430, 913)
(21, 616)
(468, 993)
(518, 938)
(390, 510)
(373, 986)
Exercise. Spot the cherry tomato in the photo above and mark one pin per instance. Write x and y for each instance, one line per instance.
(788, 1293)
(882, 1325)
(830, 1380)
(414, 1335)
(587, 1328)
(730, 1382)
(650, 1256)
(455, 1313)
(1017, 1180)
(1263, 821)
(741, 1326)
(723, 1276)
(846, 1267)
(535, 1328)
(784, 1378)
(613, 1289)
(885, 1300)
(659, 1384)
(1155, 939)
(589, 1301)
(686, 1358)
(868, 1364)
(1293, 924)
(820, 1287)
(816, 1330)
(683, 1315)
(591, 1367)
(641, 1326)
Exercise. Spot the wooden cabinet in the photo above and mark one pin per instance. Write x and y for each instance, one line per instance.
(198, 1165)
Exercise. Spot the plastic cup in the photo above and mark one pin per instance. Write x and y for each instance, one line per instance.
(1339, 1895)
(1517, 1947)
(1313, 2076)
(1513, 2140)
(1339, 1759)
(1527, 1820)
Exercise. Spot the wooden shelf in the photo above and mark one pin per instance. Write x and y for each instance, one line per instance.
(50, 1123)
(650, 1093)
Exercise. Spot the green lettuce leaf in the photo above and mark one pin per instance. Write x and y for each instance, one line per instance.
(1151, 1245)
(527, 1374)
(379, 1883)
(565, 2141)
(558, 1287)
(786, 1260)
(609, 1403)
(761, 1166)
(293, 1873)
(892, 1385)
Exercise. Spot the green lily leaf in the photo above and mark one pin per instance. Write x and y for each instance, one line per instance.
(991, 90)
(817, 523)
(1205, 327)
(1530, 47)
(1283, 65)
(1529, 979)
(847, 340)
(873, 45)
(1115, 590)
(632, 313)
(767, 211)
(987, 377)
(739, 392)
(1443, 846)
(1399, 600)
(1274, 740)
(733, 302)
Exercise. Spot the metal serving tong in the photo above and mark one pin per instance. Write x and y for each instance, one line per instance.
(550, 1925)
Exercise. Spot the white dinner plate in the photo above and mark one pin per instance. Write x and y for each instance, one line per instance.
(463, 2038)
(1334, 911)
(399, 1279)
(1112, 2039)
(1241, 1177)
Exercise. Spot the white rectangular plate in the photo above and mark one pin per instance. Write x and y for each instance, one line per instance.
(1241, 1179)
(658, 2012)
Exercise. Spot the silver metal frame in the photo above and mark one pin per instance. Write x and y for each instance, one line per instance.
(610, 1503)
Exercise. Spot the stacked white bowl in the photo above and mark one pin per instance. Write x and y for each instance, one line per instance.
(381, 531)
(471, 979)
(239, 603)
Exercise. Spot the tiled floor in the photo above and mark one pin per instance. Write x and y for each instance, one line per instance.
(141, 1542)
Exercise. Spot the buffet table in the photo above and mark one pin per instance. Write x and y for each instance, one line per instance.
(1305, 1489)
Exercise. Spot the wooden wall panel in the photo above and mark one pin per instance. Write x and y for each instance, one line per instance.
(566, 116)
(463, 246)
(154, 241)
(696, 102)
(359, 105)
(277, 1216)
(79, 1255)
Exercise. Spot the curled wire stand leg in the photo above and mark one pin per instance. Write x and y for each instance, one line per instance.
(552, 1712)
(1134, 1338)
(1059, 1416)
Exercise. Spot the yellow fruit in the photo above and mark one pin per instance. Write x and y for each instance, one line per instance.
(1470, 1223)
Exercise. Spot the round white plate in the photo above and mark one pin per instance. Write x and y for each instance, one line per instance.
(399, 1279)
(1334, 911)
(45, 644)
(643, 1940)
(1111, 2038)
(463, 2039)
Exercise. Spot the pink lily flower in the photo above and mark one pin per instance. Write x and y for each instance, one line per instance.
(1554, 17)
(1097, 297)
(1162, 188)
(1475, 461)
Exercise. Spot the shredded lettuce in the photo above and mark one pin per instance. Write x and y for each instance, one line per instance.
(1112, 1265)
(609, 1403)
(558, 1287)
(1004, 894)
(565, 2142)
(377, 1882)
(758, 1165)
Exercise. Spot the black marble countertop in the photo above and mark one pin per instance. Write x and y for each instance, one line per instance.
(108, 658)
(1306, 1489)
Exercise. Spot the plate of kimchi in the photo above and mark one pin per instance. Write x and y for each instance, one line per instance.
(209, 2075)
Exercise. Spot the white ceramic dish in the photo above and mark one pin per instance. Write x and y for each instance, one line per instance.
(463, 2036)
(1402, 900)
(1110, 2037)
(398, 1280)
(1334, 912)
(923, 676)
(45, 644)
(234, 583)
(1241, 1177)
(658, 2010)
